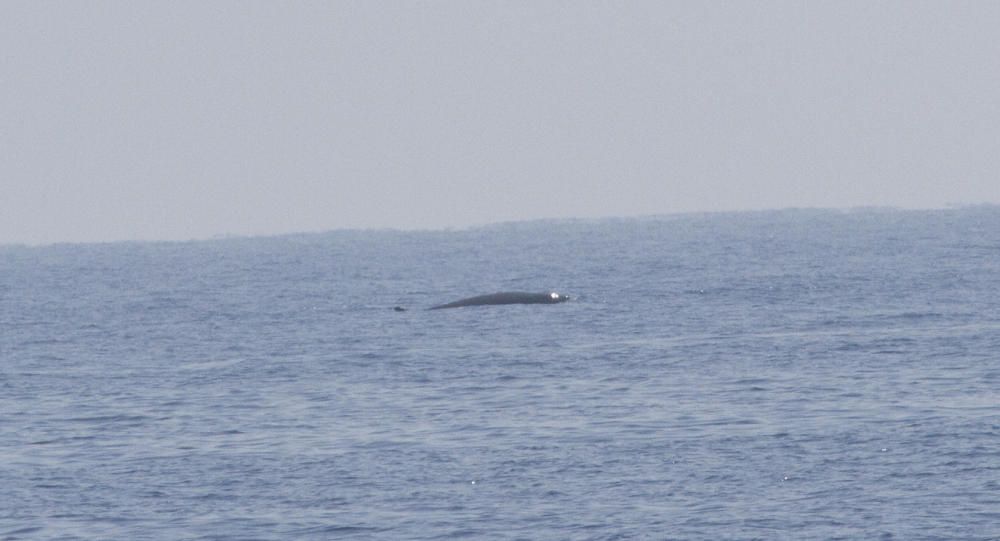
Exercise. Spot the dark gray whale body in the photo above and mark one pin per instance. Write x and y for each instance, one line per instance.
(507, 297)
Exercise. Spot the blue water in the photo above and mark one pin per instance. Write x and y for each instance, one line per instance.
(773, 375)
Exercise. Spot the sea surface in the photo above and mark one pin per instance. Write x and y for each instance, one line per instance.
(797, 374)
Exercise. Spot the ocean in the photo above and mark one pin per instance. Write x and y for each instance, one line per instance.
(794, 374)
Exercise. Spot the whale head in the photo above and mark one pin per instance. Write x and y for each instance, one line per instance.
(557, 297)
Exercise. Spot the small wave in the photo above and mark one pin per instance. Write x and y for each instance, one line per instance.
(15, 534)
(338, 529)
(110, 419)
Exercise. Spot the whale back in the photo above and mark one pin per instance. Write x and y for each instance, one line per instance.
(506, 297)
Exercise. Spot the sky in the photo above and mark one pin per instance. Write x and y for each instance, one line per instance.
(189, 119)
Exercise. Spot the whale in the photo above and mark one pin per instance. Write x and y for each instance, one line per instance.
(506, 297)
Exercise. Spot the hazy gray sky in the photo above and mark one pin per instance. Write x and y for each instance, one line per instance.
(188, 119)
